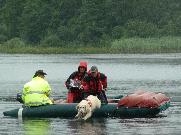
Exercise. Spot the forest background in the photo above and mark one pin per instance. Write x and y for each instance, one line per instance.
(90, 26)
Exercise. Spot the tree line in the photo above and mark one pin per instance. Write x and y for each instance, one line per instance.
(58, 23)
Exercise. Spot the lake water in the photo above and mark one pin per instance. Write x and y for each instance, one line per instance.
(126, 73)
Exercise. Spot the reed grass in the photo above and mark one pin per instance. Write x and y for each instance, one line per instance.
(147, 45)
(124, 45)
(53, 50)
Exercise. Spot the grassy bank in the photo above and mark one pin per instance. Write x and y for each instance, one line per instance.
(148, 45)
(53, 50)
(126, 45)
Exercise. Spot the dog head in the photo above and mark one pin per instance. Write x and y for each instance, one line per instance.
(83, 108)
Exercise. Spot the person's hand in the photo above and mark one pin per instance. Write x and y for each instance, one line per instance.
(52, 100)
(81, 87)
(104, 89)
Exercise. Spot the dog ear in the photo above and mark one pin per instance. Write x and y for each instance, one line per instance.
(77, 107)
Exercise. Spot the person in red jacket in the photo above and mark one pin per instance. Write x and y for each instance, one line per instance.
(95, 83)
(73, 83)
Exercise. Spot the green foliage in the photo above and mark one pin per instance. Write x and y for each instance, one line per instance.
(2, 3)
(14, 43)
(135, 28)
(36, 18)
(3, 33)
(169, 29)
(3, 38)
(91, 23)
(178, 25)
(118, 32)
(64, 33)
(12, 16)
(3, 29)
(51, 41)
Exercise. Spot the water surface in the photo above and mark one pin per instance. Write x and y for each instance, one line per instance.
(126, 73)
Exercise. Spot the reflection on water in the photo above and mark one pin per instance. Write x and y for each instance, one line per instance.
(90, 127)
(36, 126)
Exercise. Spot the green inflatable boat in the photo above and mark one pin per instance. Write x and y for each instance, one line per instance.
(68, 110)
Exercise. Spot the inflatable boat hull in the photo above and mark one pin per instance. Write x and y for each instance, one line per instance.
(69, 110)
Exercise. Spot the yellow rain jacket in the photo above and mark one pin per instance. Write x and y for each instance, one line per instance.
(36, 92)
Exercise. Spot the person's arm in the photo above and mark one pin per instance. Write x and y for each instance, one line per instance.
(25, 89)
(103, 81)
(72, 76)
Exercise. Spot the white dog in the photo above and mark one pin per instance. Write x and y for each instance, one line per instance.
(86, 107)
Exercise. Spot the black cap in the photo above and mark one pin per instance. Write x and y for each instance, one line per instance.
(39, 72)
(93, 69)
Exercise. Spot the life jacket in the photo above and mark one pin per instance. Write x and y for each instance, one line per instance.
(36, 92)
(74, 96)
(83, 64)
(94, 85)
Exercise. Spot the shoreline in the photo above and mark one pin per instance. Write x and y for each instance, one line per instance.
(84, 50)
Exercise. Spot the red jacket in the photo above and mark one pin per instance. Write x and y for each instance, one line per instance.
(94, 85)
(75, 95)
(77, 75)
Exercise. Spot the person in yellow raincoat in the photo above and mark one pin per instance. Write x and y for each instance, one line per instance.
(37, 91)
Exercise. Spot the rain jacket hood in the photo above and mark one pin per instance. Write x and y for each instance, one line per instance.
(83, 64)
